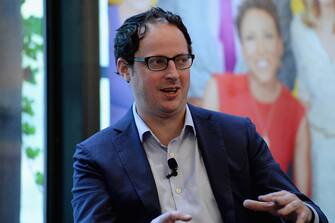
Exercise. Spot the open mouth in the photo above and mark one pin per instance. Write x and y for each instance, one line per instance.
(170, 90)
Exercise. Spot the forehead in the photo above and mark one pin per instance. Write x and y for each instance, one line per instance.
(162, 38)
(257, 14)
(257, 18)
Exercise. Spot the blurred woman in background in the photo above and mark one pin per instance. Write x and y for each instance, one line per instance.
(278, 116)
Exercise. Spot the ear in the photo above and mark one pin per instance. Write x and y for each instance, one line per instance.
(123, 69)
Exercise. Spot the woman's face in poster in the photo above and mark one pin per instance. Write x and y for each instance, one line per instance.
(261, 44)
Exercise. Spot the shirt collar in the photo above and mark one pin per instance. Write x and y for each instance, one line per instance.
(142, 127)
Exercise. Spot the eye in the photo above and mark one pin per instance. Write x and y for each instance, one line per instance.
(182, 59)
(249, 37)
(268, 35)
(157, 61)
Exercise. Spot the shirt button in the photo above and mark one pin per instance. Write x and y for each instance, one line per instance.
(172, 155)
(178, 190)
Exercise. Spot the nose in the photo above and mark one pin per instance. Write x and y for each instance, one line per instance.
(171, 71)
(260, 47)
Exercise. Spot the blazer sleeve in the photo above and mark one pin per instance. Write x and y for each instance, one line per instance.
(266, 173)
(91, 201)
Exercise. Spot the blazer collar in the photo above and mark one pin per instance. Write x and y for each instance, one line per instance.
(213, 151)
(135, 162)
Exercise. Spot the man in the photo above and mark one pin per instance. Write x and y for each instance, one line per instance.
(222, 169)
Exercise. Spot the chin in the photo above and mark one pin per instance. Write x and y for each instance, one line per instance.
(172, 107)
(265, 80)
(264, 77)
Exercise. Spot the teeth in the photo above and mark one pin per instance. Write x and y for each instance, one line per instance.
(262, 63)
(170, 89)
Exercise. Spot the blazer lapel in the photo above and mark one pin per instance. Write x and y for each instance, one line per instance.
(135, 162)
(211, 145)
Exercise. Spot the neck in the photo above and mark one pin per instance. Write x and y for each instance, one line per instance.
(165, 127)
(264, 92)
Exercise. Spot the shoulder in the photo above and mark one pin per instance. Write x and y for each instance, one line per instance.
(237, 134)
(101, 137)
(220, 119)
(104, 139)
(289, 100)
(96, 145)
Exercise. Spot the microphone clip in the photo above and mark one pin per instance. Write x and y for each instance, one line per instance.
(173, 165)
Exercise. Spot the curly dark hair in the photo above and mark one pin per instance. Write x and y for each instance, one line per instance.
(266, 5)
(128, 36)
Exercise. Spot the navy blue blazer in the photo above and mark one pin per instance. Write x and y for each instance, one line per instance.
(113, 182)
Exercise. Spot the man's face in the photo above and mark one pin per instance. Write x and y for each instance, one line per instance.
(160, 93)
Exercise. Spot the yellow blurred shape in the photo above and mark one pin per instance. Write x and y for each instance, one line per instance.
(115, 2)
(297, 6)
